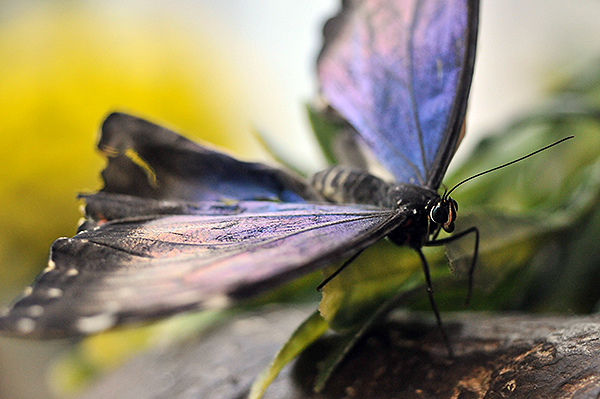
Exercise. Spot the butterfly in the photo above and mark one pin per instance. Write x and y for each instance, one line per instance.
(179, 227)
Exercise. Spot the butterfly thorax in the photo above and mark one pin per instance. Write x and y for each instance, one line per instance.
(422, 212)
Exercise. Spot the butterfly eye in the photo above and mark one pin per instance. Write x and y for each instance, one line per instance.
(444, 213)
(451, 215)
(439, 214)
(454, 206)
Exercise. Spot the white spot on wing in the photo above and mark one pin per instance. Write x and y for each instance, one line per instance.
(51, 266)
(54, 292)
(97, 323)
(25, 325)
(35, 311)
(72, 272)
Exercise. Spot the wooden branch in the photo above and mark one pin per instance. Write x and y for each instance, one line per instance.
(495, 357)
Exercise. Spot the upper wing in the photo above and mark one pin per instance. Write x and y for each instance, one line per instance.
(150, 161)
(144, 267)
(400, 73)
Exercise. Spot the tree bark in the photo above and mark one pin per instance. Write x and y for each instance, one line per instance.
(494, 357)
(515, 356)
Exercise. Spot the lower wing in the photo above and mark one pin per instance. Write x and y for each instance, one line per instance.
(148, 266)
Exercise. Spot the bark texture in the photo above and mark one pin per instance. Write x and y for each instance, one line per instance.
(520, 356)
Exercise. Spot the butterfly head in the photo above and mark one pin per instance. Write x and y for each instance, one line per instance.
(443, 213)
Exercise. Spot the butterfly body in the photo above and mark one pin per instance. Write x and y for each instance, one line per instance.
(346, 185)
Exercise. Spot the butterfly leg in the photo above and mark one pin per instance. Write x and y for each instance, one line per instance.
(433, 304)
(455, 237)
(346, 263)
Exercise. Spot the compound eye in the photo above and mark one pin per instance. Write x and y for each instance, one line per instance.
(454, 205)
(439, 214)
(448, 226)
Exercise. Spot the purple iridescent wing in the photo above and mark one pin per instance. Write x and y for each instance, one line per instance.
(400, 73)
(150, 161)
(177, 227)
(212, 254)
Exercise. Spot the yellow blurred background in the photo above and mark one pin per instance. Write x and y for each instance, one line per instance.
(63, 67)
(211, 69)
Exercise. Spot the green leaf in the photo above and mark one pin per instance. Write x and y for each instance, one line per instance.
(307, 333)
(379, 273)
(344, 342)
(326, 130)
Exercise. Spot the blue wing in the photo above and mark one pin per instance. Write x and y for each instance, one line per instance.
(150, 161)
(400, 73)
(147, 266)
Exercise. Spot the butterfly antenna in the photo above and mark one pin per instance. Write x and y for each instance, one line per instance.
(346, 263)
(446, 194)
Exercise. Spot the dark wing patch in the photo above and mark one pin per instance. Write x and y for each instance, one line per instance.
(150, 161)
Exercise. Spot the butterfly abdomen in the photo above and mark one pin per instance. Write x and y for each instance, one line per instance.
(346, 185)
